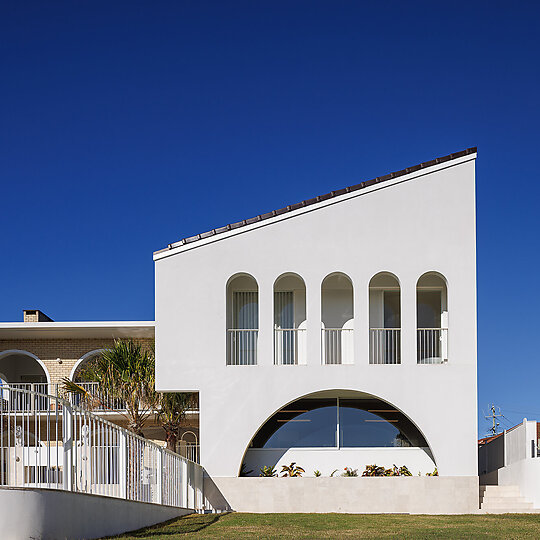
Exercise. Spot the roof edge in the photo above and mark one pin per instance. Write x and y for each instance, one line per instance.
(318, 199)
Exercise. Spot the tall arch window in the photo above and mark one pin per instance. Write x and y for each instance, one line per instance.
(384, 319)
(431, 319)
(242, 320)
(290, 320)
(337, 319)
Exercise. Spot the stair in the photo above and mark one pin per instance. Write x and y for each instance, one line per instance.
(503, 500)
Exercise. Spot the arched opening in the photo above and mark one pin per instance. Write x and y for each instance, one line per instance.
(290, 320)
(340, 428)
(188, 446)
(431, 319)
(79, 373)
(337, 319)
(242, 320)
(23, 369)
(384, 319)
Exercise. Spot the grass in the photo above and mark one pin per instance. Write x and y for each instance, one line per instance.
(329, 526)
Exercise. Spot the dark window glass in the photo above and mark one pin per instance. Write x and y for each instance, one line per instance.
(428, 310)
(305, 423)
(392, 309)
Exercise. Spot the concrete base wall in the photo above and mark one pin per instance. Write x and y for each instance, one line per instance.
(50, 514)
(361, 495)
(524, 473)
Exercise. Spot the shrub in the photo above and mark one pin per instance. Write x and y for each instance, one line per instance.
(268, 471)
(375, 470)
(292, 470)
(350, 472)
(434, 473)
(317, 473)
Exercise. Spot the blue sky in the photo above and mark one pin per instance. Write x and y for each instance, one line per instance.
(127, 125)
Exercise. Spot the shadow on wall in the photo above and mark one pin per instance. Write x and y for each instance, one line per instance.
(215, 499)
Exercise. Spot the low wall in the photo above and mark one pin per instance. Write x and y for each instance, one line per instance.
(50, 514)
(361, 495)
(525, 474)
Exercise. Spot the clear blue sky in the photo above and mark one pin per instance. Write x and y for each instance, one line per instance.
(127, 125)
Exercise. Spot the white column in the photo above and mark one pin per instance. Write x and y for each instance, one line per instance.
(313, 312)
(361, 320)
(408, 321)
(265, 349)
(67, 440)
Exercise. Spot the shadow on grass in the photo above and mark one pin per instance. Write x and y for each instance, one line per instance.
(191, 523)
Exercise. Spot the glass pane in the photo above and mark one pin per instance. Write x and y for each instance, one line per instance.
(428, 309)
(391, 309)
(284, 309)
(245, 310)
(306, 423)
(374, 423)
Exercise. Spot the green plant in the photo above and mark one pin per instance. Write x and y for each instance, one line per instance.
(125, 372)
(291, 470)
(170, 413)
(373, 470)
(268, 471)
(404, 471)
(350, 472)
(317, 473)
(434, 473)
(244, 471)
(333, 472)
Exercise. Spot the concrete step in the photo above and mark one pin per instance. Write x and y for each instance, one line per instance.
(517, 505)
(509, 511)
(503, 500)
(500, 491)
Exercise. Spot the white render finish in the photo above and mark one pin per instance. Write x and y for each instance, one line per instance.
(418, 223)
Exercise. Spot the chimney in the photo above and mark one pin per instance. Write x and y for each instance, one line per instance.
(34, 315)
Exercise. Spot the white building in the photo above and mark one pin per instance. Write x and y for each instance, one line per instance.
(337, 332)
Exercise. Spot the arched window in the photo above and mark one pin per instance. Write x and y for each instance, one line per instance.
(242, 320)
(384, 319)
(337, 319)
(290, 320)
(366, 422)
(431, 319)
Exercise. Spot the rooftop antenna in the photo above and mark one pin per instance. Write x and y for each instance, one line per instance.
(493, 415)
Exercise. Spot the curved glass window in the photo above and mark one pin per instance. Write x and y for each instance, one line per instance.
(339, 423)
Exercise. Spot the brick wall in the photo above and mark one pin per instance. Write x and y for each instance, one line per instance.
(68, 350)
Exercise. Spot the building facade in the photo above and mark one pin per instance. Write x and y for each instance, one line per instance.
(338, 332)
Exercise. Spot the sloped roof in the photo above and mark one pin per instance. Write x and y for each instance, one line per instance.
(320, 198)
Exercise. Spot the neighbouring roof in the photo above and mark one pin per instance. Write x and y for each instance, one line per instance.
(320, 198)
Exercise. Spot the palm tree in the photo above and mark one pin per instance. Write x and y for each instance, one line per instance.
(125, 372)
(171, 413)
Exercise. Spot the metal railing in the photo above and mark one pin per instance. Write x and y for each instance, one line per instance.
(289, 346)
(431, 345)
(72, 449)
(385, 345)
(189, 451)
(242, 347)
(337, 346)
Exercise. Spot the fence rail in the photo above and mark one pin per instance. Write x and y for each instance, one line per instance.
(431, 345)
(337, 345)
(385, 345)
(69, 448)
(289, 346)
(242, 347)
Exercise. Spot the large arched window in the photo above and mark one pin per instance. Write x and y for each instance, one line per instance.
(384, 319)
(337, 319)
(338, 422)
(290, 320)
(242, 320)
(431, 319)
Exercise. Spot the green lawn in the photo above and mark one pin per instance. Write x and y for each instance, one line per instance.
(326, 526)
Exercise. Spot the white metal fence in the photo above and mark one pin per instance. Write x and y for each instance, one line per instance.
(431, 345)
(66, 447)
(242, 347)
(337, 345)
(385, 345)
(289, 346)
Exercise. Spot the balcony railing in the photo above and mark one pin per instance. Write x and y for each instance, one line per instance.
(337, 345)
(431, 345)
(242, 347)
(385, 346)
(289, 346)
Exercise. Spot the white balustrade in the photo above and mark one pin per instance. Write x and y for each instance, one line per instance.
(385, 346)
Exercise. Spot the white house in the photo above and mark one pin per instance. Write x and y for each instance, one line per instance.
(340, 331)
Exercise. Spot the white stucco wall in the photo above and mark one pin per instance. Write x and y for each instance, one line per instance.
(50, 514)
(421, 222)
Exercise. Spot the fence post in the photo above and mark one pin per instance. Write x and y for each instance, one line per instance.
(122, 464)
(159, 475)
(67, 440)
